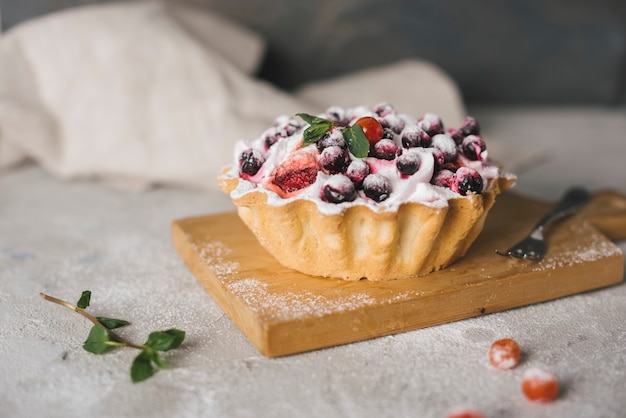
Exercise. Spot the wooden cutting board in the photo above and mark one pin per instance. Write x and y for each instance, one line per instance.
(282, 311)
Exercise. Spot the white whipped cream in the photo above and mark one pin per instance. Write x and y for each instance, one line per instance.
(414, 188)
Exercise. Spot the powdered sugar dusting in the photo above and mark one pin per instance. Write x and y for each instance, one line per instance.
(213, 253)
(595, 249)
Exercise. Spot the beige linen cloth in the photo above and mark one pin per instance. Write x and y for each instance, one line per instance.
(143, 93)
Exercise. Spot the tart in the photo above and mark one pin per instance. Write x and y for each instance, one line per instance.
(364, 192)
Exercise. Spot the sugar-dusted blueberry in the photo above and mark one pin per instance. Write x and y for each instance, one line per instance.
(413, 136)
(444, 178)
(357, 171)
(287, 124)
(338, 188)
(446, 145)
(431, 123)
(467, 181)
(473, 147)
(439, 157)
(384, 109)
(250, 161)
(336, 114)
(387, 133)
(333, 137)
(455, 134)
(385, 149)
(334, 159)
(408, 163)
(470, 126)
(377, 187)
(393, 122)
(272, 135)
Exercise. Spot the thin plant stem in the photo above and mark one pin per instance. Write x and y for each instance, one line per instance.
(93, 319)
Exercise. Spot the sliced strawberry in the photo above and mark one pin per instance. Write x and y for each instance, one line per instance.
(297, 172)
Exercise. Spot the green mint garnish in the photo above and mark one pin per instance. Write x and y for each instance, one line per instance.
(101, 338)
(318, 127)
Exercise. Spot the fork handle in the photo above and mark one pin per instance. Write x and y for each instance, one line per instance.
(572, 200)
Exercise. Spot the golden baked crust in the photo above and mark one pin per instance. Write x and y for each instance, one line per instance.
(361, 243)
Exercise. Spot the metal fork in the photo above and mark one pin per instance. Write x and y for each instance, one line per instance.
(533, 247)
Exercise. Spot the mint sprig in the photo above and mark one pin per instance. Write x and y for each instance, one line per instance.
(101, 338)
(353, 135)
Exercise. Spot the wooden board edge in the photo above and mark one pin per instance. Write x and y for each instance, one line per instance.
(361, 324)
(244, 319)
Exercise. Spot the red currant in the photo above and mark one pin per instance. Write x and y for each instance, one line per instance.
(504, 354)
(539, 385)
(372, 129)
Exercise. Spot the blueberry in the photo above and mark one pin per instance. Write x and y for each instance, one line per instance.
(336, 114)
(431, 123)
(250, 161)
(334, 159)
(473, 147)
(446, 145)
(393, 122)
(272, 135)
(339, 188)
(377, 187)
(334, 137)
(357, 171)
(408, 163)
(413, 136)
(444, 178)
(468, 180)
(456, 135)
(385, 149)
(470, 126)
(384, 109)
(387, 133)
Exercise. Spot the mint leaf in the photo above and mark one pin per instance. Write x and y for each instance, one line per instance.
(315, 132)
(312, 120)
(84, 300)
(165, 340)
(111, 323)
(141, 369)
(156, 359)
(356, 140)
(98, 340)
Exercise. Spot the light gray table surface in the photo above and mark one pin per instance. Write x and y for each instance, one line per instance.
(62, 237)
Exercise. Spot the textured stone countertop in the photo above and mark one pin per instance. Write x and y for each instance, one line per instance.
(62, 237)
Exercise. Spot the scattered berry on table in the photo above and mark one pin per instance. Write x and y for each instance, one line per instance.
(408, 163)
(465, 412)
(473, 147)
(539, 385)
(377, 187)
(470, 126)
(334, 159)
(467, 180)
(357, 171)
(372, 128)
(250, 161)
(338, 189)
(385, 149)
(504, 353)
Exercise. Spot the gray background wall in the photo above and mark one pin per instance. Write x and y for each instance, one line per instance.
(499, 51)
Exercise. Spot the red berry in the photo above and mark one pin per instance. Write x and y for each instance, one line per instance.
(504, 354)
(539, 385)
(298, 172)
(372, 128)
(465, 412)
